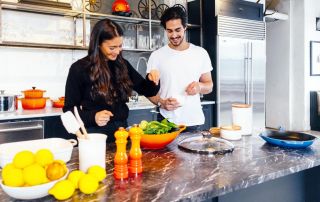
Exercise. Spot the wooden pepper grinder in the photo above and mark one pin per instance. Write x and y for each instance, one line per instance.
(121, 158)
(135, 154)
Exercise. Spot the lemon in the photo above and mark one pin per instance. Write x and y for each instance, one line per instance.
(143, 124)
(74, 177)
(34, 175)
(44, 157)
(88, 184)
(23, 159)
(12, 176)
(62, 190)
(55, 170)
(98, 172)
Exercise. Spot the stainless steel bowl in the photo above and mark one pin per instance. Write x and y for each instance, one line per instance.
(8, 103)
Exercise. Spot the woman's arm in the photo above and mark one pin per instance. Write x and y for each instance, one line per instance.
(74, 94)
(143, 86)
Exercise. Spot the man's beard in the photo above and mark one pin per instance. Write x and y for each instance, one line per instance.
(177, 44)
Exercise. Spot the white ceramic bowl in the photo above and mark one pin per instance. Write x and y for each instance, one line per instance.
(32, 192)
(61, 148)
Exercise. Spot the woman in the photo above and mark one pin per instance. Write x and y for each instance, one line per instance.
(101, 83)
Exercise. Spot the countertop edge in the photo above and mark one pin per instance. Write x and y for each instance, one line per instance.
(50, 111)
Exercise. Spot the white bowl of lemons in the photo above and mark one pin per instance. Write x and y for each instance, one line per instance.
(31, 192)
(31, 175)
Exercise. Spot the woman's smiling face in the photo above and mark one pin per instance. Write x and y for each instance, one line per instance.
(112, 48)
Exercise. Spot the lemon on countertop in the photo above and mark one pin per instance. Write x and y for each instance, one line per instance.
(62, 190)
(23, 159)
(88, 184)
(34, 175)
(12, 176)
(44, 157)
(75, 176)
(98, 172)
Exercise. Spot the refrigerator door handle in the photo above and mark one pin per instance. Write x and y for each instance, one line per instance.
(250, 74)
(246, 73)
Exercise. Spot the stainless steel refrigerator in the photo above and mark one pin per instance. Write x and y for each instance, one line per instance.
(241, 68)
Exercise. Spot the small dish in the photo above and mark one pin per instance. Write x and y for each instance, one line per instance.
(32, 192)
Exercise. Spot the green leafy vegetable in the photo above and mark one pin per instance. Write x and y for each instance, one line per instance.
(155, 127)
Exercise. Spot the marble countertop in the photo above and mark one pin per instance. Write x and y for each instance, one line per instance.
(51, 111)
(171, 174)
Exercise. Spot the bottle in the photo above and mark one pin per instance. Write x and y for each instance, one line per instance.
(135, 154)
(121, 158)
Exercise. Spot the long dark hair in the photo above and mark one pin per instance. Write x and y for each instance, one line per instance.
(111, 89)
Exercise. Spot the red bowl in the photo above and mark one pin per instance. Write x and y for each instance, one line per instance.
(159, 141)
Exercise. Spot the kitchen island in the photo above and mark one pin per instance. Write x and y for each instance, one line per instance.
(171, 174)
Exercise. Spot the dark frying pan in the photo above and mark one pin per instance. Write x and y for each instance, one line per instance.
(288, 139)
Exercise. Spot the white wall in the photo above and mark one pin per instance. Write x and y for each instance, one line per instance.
(288, 65)
(47, 69)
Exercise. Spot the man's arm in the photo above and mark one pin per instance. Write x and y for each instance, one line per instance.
(203, 86)
(167, 104)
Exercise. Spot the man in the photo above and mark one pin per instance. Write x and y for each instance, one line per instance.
(184, 73)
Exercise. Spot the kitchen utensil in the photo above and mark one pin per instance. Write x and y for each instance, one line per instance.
(92, 151)
(33, 93)
(71, 124)
(31, 192)
(60, 148)
(242, 116)
(33, 103)
(8, 103)
(215, 131)
(288, 139)
(121, 7)
(84, 131)
(57, 103)
(203, 144)
(158, 141)
(232, 132)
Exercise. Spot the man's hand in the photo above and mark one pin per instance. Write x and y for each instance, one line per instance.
(102, 117)
(154, 76)
(169, 104)
(193, 88)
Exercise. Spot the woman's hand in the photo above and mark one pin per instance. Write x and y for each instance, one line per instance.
(154, 76)
(102, 117)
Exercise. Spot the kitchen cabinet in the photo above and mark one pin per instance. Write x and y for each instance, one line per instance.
(51, 126)
(136, 116)
(208, 114)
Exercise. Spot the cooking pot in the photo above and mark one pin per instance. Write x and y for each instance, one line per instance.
(33, 93)
(33, 103)
(8, 103)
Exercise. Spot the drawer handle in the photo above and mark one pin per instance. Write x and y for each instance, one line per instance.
(21, 129)
(154, 111)
(240, 9)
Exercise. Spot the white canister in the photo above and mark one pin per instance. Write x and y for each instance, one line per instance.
(232, 132)
(242, 116)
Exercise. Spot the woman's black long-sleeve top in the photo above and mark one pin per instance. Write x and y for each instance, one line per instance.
(78, 93)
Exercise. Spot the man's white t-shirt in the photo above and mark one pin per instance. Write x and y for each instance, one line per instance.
(177, 70)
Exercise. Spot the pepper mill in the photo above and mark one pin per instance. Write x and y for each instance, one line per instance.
(121, 158)
(135, 154)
